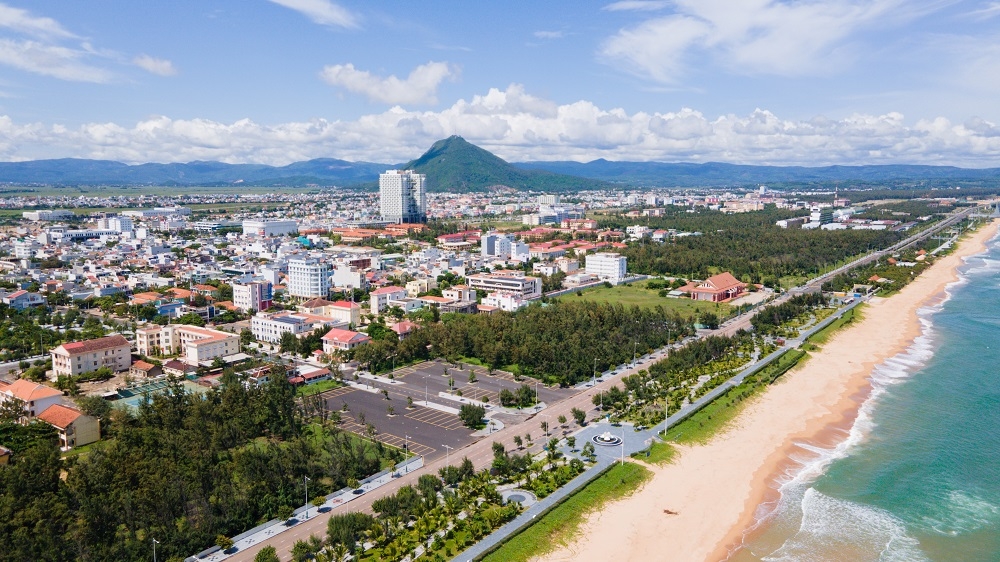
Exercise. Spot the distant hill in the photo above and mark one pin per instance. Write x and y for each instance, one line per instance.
(662, 174)
(73, 171)
(454, 164)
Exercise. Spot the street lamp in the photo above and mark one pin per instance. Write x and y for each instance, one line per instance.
(306, 514)
(447, 457)
(406, 450)
(155, 542)
(623, 446)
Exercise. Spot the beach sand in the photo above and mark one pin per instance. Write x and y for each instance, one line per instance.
(716, 488)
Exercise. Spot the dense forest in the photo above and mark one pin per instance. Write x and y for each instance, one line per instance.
(559, 343)
(748, 245)
(772, 317)
(182, 469)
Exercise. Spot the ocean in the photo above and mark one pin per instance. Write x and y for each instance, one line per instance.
(917, 475)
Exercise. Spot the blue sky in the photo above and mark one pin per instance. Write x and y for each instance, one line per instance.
(276, 81)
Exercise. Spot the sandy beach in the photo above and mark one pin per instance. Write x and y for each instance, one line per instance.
(716, 488)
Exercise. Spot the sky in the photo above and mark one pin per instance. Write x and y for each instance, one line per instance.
(778, 82)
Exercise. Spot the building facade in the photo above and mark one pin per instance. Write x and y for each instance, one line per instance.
(75, 358)
(507, 281)
(308, 278)
(252, 297)
(403, 196)
(192, 344)
(269, 327)
(607, 266)
(269, 228)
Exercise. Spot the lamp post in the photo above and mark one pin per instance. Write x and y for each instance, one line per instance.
(623, 446)
(155, 542)
(306, 514)
(447, 458)
(406, 450)
(425, 390)
(595, 372)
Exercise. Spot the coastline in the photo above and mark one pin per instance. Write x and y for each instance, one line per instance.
(716, 488)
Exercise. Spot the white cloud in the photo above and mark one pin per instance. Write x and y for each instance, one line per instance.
(990, 10)
(50, 60)
(549, 34)
(419, 88)
(637, 5)
(322, 12)
(754, 36)
(520, 127)
(161, 67)
(22, 21)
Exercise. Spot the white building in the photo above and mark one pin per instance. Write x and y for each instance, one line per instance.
(116, 224)
(308, 278)
(403, 196)
(607, 266)
(505, 301)
(192, 344)
(47, 215)
(380, 297)
(75, 358)
(349, 277)
(507, 281)
(270, 326)
(252, 297)
(269, 228)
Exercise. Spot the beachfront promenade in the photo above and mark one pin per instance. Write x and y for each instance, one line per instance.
(633, 441)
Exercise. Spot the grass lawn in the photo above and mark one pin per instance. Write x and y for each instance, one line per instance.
(321, 386)
(821, 337)
(711, 420)
(560, 524)
(636, 294)
(659, 454)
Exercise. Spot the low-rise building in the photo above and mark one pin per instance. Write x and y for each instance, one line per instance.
(380, 298)
(507, 281)
(75, 428)
(20, 300)
(342, 340)
(269, 327)
(36, 397)
(717, 288)
(253, 297)
(192, 344)
(76, 358)
(505, 301)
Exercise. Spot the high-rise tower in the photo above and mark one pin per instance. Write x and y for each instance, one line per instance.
(403, 196)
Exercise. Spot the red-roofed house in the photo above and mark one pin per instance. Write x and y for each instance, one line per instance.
(37, 398)
(404, 328)
(717, 288)
(380, 297)
(75, 428)
(75, 358)
(342, 340)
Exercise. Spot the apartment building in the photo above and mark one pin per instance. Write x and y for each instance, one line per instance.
(75, 358)
(308, 278)
(607, 266)
(253, 297)
(380, 298)
(192, 344)
(507, 281)
(270, 326)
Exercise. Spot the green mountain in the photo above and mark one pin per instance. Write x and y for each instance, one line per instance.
(454, 164)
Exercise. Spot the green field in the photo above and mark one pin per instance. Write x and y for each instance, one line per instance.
(558, 526)
(658, 453)
(636, 294)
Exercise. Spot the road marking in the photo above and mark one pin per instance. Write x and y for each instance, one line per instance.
(436, 418)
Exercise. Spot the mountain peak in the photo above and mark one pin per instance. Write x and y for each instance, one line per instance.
(455, 164)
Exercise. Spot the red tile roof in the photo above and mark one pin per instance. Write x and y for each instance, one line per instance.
(99, 344)
(345, 336)
(28, 391)
(59, 416)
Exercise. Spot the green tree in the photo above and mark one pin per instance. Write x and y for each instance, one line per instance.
(579, 416)
(472, 415)
(289, 343)
(267, 554)
(223, 542)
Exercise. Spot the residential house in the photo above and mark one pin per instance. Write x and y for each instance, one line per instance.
(36, 398)
(717, 288)
(193, 344)
(74, 427)
(342, 340)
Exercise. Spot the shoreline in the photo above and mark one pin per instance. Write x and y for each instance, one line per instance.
(716, 488)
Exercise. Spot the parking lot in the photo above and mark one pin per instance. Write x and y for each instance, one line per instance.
(425, 430)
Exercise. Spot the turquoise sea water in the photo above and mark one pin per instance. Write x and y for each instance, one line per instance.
(917, 478)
